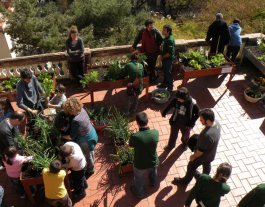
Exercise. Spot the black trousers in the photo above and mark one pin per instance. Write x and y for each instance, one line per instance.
(192, 167)
(77, 70)
(79, 180)
(234, 50)
(151, 61)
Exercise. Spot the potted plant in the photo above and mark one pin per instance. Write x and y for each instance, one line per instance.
(160, 95)
(99, 116)
(254, 93)
(8, 88)
(88, 78)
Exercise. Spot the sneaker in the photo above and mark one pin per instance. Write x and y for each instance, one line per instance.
(197, 175)
(167, 148)
(2, 167)
(161, 85)
(24, 196)
(132, 188)
(35, 190)
(169, 90)
(180, 181)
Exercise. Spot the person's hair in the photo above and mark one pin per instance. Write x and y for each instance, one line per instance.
(7, 105)
(183, 93)
(10, 152)
(61, 122)
(149, 21)
(25, 74)
(65, 150)
(236, 21)
(207, 114)
(219, 16)
(72, 105)
(60, 88)
(135, 55)
(17, 115)
(73, 29)
(169, 28)
(223, 172)
(142, 119)
(55, 166)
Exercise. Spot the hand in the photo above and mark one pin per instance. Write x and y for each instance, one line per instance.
(34, 112)
(160, 47)
(70, 50)
(192, 158)
(127, 144)
(161, 57)
(43, 93)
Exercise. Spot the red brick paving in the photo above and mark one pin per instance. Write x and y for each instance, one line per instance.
(242, 145)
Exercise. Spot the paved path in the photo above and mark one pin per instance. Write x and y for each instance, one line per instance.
(242, 145)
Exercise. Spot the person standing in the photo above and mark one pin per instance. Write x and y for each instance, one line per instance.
(144, 143)
(151, 42)
(75, 50)
(167, 56)
(28, 92)
(133, 69)
(255, 198)
(207, 190)
(219, 34)
(235, 41)
(206, 147)
(183, 118)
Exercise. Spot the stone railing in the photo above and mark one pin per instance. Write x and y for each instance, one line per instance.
(95, 58)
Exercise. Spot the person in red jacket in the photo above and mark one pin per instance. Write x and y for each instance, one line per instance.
(151, 42)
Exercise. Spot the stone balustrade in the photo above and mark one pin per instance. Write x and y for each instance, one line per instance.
(98, 57)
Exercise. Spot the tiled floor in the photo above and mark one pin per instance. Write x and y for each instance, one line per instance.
(242, 145)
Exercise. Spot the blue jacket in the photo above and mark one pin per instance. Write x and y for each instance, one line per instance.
(235, 31)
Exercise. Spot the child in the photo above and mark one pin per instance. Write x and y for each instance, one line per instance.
(73, 152)
(55, 191)
(64, 126)
(6, 109)
(13, 163)
(58, 99)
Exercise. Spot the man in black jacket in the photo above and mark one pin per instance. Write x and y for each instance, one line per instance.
(9, 130)
(151, 42)
(219, 33)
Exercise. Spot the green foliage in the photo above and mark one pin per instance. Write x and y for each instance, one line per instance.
(254, 91)
(114, 72)
(125, 156)
(262, 47)
(218, 60)
(161, 95)
(262, 58)
(119, 127)
(91, 77)
(46, 82)
(99, 115)
(11, 83)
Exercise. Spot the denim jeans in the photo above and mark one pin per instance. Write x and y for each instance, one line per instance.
(1, 194)
(79, 180)
(19, 187)
(167, 69)
(135, 102)
(138, 179)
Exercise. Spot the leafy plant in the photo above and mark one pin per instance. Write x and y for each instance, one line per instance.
(218, 60)
(119, 127)
(89, 78)
(46, 82)
(11, 83)
(99, 115)
(115, 71)
(262, 58)
(262, 47)
(195, 65)
(125, 156)
(254, 91)
(161, 95)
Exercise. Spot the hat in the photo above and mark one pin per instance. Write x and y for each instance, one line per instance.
(219, 16)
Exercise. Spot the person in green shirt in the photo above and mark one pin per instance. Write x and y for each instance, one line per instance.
(131, 71)
(144, 143)
(255, 198)
(167, 56)
(207, 191)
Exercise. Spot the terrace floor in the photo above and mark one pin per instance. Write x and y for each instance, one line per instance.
(242, 145)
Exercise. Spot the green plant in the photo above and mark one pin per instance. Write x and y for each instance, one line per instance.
(195, 65)
(218, 60)
(125, 156)
(114, 72)
(262, 58)
(254, 91)
(161, 95)
(262, 47)
(11, 83)
(119, 127)
(46, 82)
(89, 78)
(99, 115)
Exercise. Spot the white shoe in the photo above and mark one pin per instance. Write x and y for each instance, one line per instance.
(35, 188)
(24, 196)
(2, 167)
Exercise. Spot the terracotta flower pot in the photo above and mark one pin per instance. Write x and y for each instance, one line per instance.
(99, 128)
(127, 168)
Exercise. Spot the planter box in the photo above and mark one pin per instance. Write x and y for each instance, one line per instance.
(192, 73)
(117, 84)
(13, 96)
(39, 180)
(253, 59)
(127, 168)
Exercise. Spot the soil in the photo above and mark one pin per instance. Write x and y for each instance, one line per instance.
(29, 172)
(257, 53)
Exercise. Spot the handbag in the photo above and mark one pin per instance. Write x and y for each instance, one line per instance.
(137, 82)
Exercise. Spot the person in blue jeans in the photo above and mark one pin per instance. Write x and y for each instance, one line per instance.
(144, 143)
(1, 196)
(167, 56)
